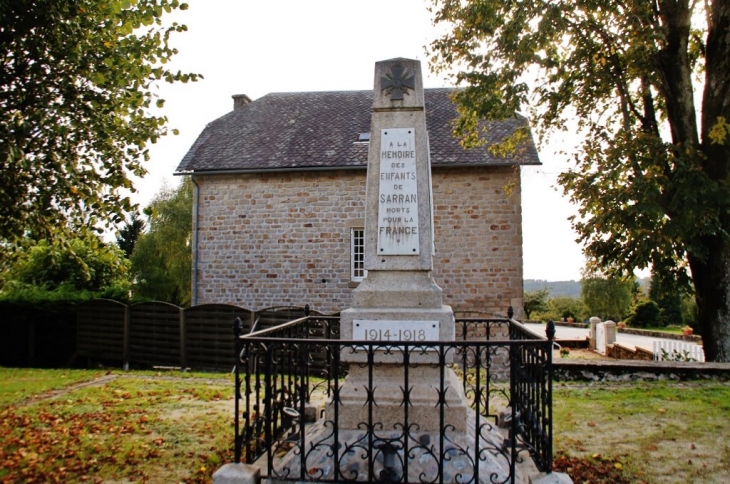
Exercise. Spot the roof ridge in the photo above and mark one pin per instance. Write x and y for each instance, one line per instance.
(319, 130)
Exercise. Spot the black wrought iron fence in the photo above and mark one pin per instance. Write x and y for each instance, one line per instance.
(531, 389)
(289, 410)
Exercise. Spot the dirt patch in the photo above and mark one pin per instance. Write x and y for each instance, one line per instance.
(580, 354)
(195, 409)
(59, 392)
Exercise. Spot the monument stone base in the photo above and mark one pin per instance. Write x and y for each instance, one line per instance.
(424, 411)
(437, 324)
(424, 369)
(397, 289)
(422, 450)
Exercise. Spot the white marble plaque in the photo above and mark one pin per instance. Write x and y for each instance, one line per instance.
(398, 198)
(389, 330)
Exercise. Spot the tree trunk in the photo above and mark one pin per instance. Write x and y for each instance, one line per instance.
(711, 275)
(711, 278)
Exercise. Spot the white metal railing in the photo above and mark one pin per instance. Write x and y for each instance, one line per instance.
(678, 351)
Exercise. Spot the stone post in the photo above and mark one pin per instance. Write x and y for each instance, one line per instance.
(610, 327)
(594, 322)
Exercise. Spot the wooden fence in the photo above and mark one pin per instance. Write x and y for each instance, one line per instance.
(152, 334)
(42, 336)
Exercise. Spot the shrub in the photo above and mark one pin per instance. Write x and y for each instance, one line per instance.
(644, 314)
(689, 312)
(563, 307)
(84, 263)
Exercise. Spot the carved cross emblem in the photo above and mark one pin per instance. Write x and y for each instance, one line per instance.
(397, 82)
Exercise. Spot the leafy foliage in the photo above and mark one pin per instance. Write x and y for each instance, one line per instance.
(646, 314)
(162, 258)
(668, 294)
(563, 307)
(689, 311)
(77, 81)
(128, 235)
(60, 269)
(35, 297)
(645, 85)
(607, 297)
(535, 301)
(676, 355)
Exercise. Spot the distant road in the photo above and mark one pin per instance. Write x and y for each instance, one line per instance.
(567, 332)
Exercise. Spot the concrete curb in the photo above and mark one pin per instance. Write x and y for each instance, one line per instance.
(237, 474)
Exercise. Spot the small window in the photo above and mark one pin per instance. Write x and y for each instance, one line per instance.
(363, 138)
(357, 254)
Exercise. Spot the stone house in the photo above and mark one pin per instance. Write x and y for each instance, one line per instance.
(279, 205)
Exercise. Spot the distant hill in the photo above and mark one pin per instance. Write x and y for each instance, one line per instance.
(566, 288)
(555, 288)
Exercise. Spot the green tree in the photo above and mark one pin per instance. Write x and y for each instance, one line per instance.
(77, 93)
(667, 292)
(84, 263)
(534, 301)
(644, 314)
(606, 297)
(128, 235)
(162, 257)
(563, 307)
(689, 311)
(646, 86)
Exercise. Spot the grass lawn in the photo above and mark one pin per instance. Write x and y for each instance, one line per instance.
(667, 329)
(657, 432)
(120, 427)
(20, 383)
(113, 428)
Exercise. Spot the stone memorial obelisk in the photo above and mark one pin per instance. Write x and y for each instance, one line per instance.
(400, 403)
(399, 300)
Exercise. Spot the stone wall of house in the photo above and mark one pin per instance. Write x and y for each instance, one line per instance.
(281, 239)
(478, 236)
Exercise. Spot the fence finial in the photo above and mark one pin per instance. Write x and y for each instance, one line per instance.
(550, 330)
(510, 312)
(306, 310)
(237, 327)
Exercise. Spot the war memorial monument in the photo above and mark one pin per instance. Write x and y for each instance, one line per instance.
(401, 414)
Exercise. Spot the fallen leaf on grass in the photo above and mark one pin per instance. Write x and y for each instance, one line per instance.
(607, 470)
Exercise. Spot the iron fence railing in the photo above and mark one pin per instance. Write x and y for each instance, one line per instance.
(282, 372)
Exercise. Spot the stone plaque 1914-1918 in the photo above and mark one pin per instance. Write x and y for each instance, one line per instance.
(397, 200)
(395, 330)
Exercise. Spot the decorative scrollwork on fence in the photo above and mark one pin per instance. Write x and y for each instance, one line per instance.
(280, 371)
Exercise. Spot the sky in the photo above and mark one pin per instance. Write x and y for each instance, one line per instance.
(256, 47)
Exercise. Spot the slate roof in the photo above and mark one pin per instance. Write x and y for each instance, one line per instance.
(308, 130)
